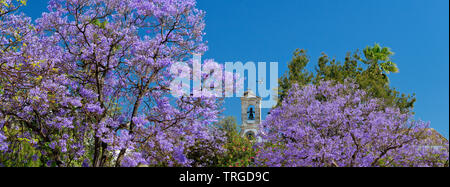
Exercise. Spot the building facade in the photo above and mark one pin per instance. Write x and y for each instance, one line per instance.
(250, 115)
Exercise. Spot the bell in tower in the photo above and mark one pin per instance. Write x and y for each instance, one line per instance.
(250, 114)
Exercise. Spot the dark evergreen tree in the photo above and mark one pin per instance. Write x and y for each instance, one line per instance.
(369, 70)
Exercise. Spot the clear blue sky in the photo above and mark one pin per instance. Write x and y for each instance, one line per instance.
(267, 30)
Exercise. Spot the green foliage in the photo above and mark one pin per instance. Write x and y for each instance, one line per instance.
(369, 70)
(239, 151)
(22, 2)
(99, 23)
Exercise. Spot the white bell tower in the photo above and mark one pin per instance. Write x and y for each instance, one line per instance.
(250, 114)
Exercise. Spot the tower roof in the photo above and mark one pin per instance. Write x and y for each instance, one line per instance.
(250, 94)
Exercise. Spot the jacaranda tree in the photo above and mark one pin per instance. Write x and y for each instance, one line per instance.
(88, 84)
(339, 125)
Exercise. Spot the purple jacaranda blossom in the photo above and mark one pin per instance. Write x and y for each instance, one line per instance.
(80, 81)
(339, 125)
(94, 108)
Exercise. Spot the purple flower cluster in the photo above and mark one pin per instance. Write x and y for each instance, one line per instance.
(338, 125)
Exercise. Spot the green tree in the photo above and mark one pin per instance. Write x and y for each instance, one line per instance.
(228, 125)
(369, 70)
(297, 74)
(239, 151)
